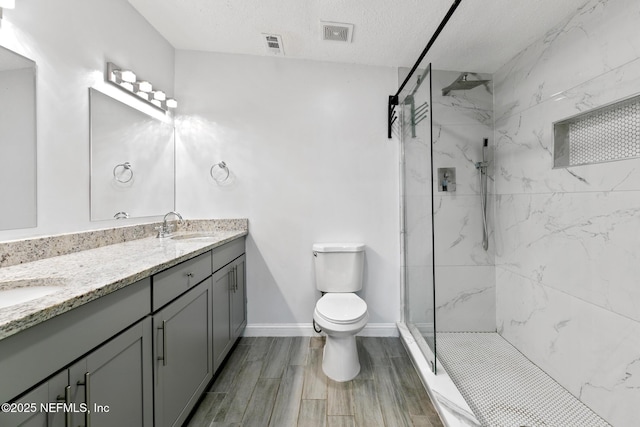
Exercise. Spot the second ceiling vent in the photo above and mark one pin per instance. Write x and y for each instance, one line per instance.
(337, 31)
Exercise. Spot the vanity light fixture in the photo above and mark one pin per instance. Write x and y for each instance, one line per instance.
(128, 81)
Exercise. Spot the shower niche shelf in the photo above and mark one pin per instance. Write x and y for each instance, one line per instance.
(604, 134)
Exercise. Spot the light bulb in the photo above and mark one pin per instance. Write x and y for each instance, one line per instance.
(172, 103)
(159, 95)
(128, 76)
(144, 86)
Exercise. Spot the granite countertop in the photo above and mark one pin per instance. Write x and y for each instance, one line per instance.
(84, 276)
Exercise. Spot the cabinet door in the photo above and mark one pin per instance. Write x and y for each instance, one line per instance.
(222, 284)
(28, 407)
(238, 298)
(182, 354)
(114, 381)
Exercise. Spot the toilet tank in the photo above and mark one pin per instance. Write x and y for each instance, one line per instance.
(338, 266)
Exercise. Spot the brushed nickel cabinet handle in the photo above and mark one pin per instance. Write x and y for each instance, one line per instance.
(67, 400)
(231, 278)
(164, 343)
(235, 277)
(87, 397)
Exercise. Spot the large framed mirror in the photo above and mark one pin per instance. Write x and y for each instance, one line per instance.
(132, 161)
(17, 141)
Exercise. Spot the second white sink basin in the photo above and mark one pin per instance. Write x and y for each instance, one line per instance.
(191, 236)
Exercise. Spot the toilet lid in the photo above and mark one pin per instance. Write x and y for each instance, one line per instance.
(341, 307)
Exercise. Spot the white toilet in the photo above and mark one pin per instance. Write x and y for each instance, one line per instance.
(340, 313)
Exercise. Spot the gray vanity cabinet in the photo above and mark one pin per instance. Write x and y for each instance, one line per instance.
(37, 353)
(141, 356)
(182, 357)
(112, 385)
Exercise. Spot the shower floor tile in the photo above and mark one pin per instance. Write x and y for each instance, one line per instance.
(504, 388)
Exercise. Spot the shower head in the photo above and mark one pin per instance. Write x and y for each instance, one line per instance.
(462, 83)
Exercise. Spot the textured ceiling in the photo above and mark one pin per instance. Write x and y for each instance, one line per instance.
(481, 36)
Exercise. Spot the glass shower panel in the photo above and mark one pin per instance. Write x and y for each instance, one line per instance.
(416, 140)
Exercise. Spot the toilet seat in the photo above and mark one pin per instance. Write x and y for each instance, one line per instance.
(341, 308)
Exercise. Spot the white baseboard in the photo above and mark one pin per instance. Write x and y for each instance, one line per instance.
(380, 330)
(306, 330)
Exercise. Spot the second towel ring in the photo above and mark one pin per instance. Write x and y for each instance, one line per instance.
(122, 177)
(219, 172)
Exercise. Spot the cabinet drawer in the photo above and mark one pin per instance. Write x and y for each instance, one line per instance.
(226, 253)
(174, 281)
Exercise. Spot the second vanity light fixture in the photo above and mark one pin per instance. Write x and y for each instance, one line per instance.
(128, 81)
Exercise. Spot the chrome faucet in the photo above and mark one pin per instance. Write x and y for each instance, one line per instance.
(166, 229)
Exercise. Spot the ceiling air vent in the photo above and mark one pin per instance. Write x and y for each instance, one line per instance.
(273, 44)
(337, 31)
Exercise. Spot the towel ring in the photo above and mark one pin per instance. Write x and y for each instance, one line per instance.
(126, 166)
(220, 177)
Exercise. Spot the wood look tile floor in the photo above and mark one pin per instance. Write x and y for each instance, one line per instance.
(269, 381)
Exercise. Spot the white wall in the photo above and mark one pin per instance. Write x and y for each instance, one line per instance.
(71, 41)
(306, 145)
(567, 262)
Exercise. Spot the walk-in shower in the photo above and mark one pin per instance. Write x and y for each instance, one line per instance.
(499, 328)
(449, 263)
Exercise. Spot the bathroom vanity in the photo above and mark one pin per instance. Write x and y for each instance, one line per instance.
(133, 336)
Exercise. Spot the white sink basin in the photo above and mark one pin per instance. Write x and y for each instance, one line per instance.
(191, 236)
(21, 291)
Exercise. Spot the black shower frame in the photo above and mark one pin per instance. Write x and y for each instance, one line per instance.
(393, 99)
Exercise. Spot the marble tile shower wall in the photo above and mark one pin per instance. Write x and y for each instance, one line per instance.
(465, 274)
(567, 240)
